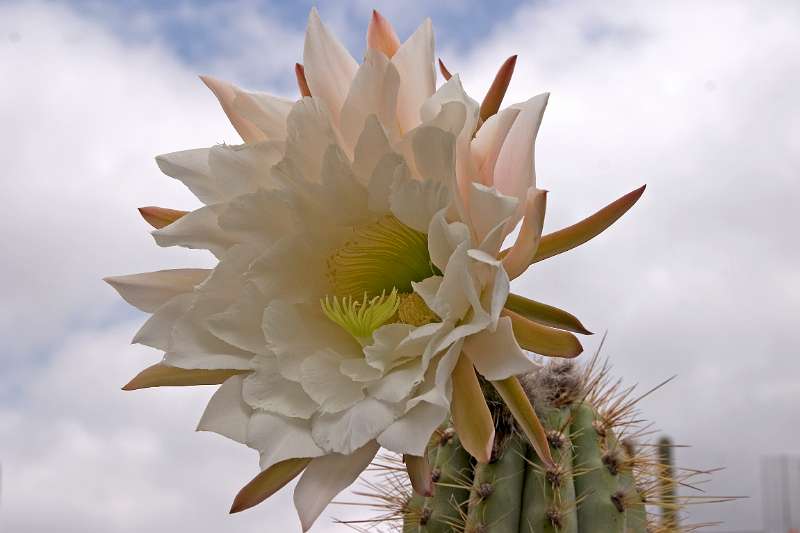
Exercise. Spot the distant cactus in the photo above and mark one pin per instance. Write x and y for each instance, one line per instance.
(603, 482)
(669, 515)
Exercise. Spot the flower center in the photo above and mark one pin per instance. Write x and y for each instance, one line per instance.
(370, 277)
(379, 258)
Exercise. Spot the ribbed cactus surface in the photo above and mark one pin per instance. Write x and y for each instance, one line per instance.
(600, 484)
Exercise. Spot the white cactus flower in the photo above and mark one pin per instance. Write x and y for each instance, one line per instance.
(360, 282)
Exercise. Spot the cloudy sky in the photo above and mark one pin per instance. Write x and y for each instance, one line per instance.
(697, 99)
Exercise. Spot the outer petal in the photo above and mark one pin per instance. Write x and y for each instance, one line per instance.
(414, 62)
(226, 94)
(191, 168)
(157, 331)
(410, 433)
(161, 375)
(381, 35)
(497, 355)
(520, 254)
(278, 438)
(327, 476)
(266, 389)
(226, 412)
(268, 113)
(151, 290)
(488, 207)
(415, 202)
(326, 385)
(514, 171)
(329, 67)
(373, 92)
(489, 140)
(349, 430)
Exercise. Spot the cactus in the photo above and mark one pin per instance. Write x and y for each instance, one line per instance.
(669, 516)
(603, 481)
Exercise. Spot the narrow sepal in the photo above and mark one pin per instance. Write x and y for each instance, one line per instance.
(444, 71)
(517, 401)
(302, 83)
(545, 314)
(419, 473)
(268, 483)
(161, 375)
(160, 217)
(572, 236)
(543, 340)
(494, 96)
(472, 419)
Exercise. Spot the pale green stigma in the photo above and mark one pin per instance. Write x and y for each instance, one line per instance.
(360, 318)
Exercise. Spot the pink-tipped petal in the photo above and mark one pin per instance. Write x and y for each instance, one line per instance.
(519, 256)
(226, 94)
(329, 67)
(419, 473)
(471, 416)
(381, 35)
(514, 171)
(327, 476)
(414, 63)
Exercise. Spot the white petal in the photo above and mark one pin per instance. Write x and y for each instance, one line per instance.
(151, 290)
(390, 167)
(327, 476)
(444, 238)
(326, 385)
(382, 354)
(524, 248)
(240, 324)
(191, 168)
(411, 432)
(433, 153)
(262, 217)
(399, 383)
(198, 230)
(415, 202)
(278, 438)
(226, 93)
(373, 92)
(226, 413)
(309, 134)
(488, 208)
(348, 430)
(345, 198)
(357, 369)
(207, 361)
(157, 331)
(329, 67)
(295, 332)
(244, 168)
(292, 268)
(371, 147)
(414, 62)
(497, 355)
(514, 171)
(266, 389)
(267, 112)
(489, 140)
